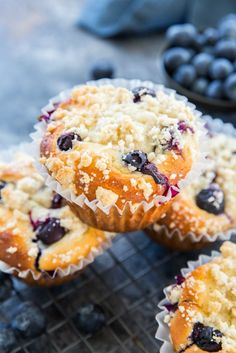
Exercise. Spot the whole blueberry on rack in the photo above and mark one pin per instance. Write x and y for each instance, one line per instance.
(7, 338)
(138, 92)
(206, 338)
(50, 231)
(29, 320)
(65, 141)
(211, 199)
(136, 159)
(102, 69)
(90, 318)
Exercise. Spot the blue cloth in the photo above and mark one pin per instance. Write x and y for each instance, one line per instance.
(108, 18)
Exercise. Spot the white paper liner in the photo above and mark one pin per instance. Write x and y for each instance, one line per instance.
(6, 156)
(41, 127)
(218, 126)
(163, 331)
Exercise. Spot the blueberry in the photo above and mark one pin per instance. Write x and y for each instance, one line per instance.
(206, 338)
(230, 87)
(227, 26)
(220, 69)
(226, 48)
(65, 141)
(138, 92)
(102, 69)
(179, 279)
(50, 231)
(29, 320)
(2, 185)
(90, 318)
(182, 35)
(200, 86)
(202, 63)
(185, 75)
(47, 117)
(209, 49)
(57, 201)
(199, 41)
(211, 199)
(7, 339)
(171, 307)
(174, 57)
(5, 286)
(215, 90)
(136, 159)
(151, 169)
(211, 36)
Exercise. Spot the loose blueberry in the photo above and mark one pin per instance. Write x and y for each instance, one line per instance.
(90, 318)
(185, 75)
(174, 57)
(226, 48)
(211, 36)
(215, 89)
(50, 231)
(102, 69)
(227, 26)
(206, 338)
(2, 185)
(5, 286)
(7, 339)
(138, 92)
(199, 42)
(200, 86)
(57, 201)
(202, 63)
(29, 320)
(230, 87)
(211, 199)
(136, 159)
(65, 141)
(151, 169)
(220, 69)
(182, 35)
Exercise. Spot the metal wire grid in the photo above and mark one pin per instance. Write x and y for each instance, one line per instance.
(127, 281)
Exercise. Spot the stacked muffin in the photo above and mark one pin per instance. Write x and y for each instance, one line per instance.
(111, 156)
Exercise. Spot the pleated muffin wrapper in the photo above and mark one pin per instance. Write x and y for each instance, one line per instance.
(59, 275)
(163, 331)
(174, 238)
(112, 218)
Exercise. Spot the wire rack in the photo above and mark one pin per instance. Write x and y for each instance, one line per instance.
(126, 281)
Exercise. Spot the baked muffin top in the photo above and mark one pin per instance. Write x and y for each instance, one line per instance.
(212, 195)
(149, 137)
(37, 229)
(205, 304)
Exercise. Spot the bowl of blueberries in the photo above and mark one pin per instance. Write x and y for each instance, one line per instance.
(202, 64)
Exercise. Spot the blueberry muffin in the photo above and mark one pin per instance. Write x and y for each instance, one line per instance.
(120, 154)
(207, 206)
(202, 310)
(40, 237)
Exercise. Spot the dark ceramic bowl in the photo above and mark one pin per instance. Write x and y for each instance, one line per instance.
(207, 103)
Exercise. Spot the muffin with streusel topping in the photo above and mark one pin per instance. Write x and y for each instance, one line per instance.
(41, 240)
(119, 155)
(202, 306)
(205, 210)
